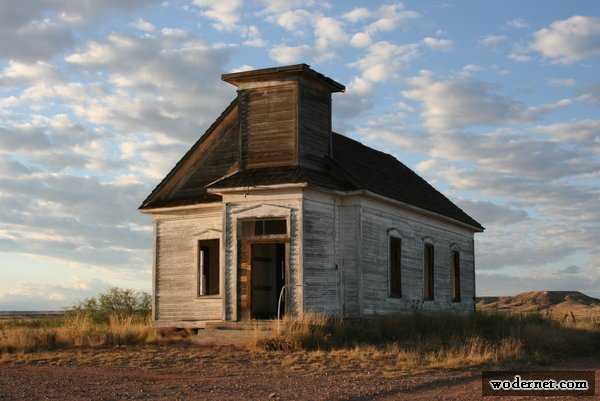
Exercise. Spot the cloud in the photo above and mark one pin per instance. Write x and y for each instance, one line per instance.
(512, 284)
(461, 102)
(385, 19)
(573, 269)
(492, 40)
(570, 40)
(37, 30)
(489, 213)
(438, 44)
(294, 20)
(226, 14)
(561, 82)
(357, 14)
(27, 296)
(591, 94)
(285, 54)
(143, 25)
(280, 6)
(382, 62)
(518, 23)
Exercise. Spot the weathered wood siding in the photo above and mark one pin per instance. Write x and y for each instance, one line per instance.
(376, 222)
(176, 266)
(353, 233)
(217, 154)
(268, 118)
(262, 205)
(315, 125)
(320, 265)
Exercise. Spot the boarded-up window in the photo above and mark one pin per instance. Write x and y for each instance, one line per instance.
(395, 267)
(208, 267)
(455, 276)
(428, 272)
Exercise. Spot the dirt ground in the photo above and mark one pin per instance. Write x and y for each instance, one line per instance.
(223, 370)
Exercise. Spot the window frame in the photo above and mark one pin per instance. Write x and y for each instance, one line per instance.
(456, 275)
(200, 268)
(392, 238)
(428, 271)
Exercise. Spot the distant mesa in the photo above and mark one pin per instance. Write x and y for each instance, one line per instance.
(555, 302)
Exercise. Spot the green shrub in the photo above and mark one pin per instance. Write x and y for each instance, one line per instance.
(116, 303)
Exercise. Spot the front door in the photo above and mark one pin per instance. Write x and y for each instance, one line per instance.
(267, 279)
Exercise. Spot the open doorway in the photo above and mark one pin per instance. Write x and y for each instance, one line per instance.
(267, 278)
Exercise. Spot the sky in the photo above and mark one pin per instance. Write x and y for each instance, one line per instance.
(497, 104)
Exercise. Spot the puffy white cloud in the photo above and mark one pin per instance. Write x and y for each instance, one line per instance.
(461, 102)
(280, 6)
(492, 40)
(284, 54)
(294, 20)
(570, 40)
(438, 44)
(226, 14)
(329, 33)
(357, 14)
(143, 25)
(361, 39)
(382, 61)
(386, 19)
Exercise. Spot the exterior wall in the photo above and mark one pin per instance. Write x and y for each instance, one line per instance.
(261, 205)
(175, 284)
(353, 233)
(337, 256)
(378, 222)
(321, 273)
(269, 125)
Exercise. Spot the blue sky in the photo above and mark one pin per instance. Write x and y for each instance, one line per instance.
(496, 103)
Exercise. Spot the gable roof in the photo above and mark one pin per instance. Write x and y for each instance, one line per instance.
(353, 166)
(151, 200)
(385, 175)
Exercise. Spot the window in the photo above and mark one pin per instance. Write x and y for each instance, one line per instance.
(395, 267)
(455, 276)
(270, 227)
(208, 267)
(428, 281)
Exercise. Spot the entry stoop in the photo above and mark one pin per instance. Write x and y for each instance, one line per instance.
(242, 325)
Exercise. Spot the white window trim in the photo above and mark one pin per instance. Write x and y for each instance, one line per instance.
(207, 235)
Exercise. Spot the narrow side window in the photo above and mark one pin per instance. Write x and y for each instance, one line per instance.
(208, 267)
(395, 267)
(428, 279)
(456, 276)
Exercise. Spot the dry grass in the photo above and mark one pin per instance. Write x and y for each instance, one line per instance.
(439, 340)
(77, 330)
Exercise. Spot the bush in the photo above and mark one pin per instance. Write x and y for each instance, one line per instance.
(117, 303)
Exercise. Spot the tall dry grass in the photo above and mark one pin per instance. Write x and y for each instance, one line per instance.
(77, 330)
(437, 339)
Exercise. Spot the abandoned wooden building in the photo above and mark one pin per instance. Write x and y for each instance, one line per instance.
(271, 210)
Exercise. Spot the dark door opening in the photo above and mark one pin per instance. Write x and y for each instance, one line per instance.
(268, 278)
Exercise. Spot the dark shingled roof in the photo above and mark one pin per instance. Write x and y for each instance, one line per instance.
(356, 166)
(286, 175)
(385, 175)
